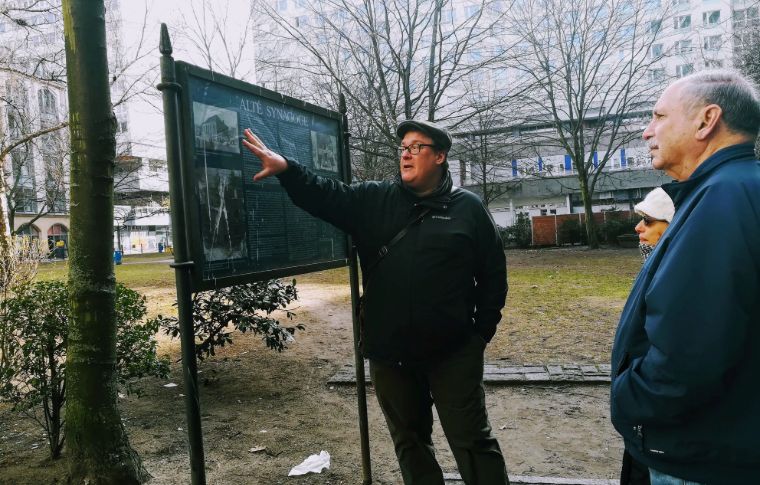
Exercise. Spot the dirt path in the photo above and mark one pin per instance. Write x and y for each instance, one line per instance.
(252, 397)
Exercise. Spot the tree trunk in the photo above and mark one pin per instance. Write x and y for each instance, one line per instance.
(97, 446)
(432, 64)
(5, 273)
(593, 241)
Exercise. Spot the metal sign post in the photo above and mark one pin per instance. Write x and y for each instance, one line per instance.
(264, 235)
(182, 266)
(353, 267)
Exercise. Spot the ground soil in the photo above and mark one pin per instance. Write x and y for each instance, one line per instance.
(252, 398)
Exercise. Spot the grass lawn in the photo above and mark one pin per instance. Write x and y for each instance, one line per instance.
(137, 271)
(563, 304)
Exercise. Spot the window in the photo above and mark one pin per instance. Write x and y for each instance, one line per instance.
(655, 51)
(713, 64)
(682, 46)
(682, 22)
(282, 5)
(654, 26)
(471, 11)
(25, 199)
(627, 32)
(16, 94)
(680, 3)
(28, 230)
(14, 124)
(656, 75)
(712, 43)
(55, 190)
(711, 18)
(448, 15)
(745, 18)
(155, 166)
(47, 102)
(22, 166)
(684, 70)
(744, 39)
(302, 21)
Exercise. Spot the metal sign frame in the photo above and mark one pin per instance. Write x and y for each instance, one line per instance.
(186, 232)
(184, 73)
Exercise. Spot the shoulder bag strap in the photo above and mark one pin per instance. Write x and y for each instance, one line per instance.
(385, 249)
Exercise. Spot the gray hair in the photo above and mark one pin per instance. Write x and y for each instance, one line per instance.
(734, 93)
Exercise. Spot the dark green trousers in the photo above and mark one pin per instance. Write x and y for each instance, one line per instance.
(455, 385)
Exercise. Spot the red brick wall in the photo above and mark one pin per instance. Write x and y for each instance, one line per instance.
(545, 227)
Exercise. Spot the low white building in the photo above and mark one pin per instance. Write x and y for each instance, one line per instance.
(142, 223)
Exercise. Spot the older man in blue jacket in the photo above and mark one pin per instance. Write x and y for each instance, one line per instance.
(685, 391)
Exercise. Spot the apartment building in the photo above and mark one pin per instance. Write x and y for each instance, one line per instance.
(688, 35)
(33, 101)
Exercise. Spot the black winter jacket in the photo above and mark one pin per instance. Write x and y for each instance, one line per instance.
(443, 281)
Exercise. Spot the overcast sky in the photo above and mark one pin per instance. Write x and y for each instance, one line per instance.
(146, 122)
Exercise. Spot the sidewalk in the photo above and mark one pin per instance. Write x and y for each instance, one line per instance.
(455, 479)
(499, 373)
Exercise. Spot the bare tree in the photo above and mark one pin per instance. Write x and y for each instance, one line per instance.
(747, 43)
(33, 148)
(219, 34)
(589, 61)
(485, 146)
(393, 60)
(30, 54)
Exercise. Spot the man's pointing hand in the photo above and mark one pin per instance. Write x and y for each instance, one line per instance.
(271, 163)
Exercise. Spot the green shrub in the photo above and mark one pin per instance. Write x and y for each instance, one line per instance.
(572, 232)
(34, 379)
(246, 307)
(612, 228)
(519, 234)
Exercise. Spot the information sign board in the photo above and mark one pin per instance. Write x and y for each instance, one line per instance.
(238, 230)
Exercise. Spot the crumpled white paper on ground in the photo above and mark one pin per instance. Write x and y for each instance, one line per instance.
(313, 464)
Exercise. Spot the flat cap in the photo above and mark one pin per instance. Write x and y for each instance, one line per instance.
(438, 134)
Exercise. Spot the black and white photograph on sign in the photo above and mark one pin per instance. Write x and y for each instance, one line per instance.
(325, 151)
(223, 216)
(216, 129)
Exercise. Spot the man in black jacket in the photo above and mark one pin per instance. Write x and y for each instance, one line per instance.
(431, 303)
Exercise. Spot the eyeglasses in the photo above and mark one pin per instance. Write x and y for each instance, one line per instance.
(648, 221)
(414, 149)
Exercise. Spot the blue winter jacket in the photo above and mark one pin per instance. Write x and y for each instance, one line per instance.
(685, 391)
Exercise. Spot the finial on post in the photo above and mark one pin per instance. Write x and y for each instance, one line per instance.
(341, 103)
(165, 45)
